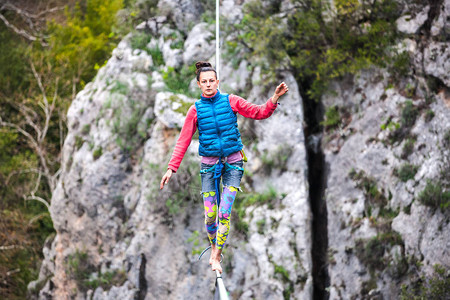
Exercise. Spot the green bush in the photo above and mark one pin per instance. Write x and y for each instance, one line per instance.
(332, 117)
(435, 196)
(78, 142)
(126, 126)
(261, 224)
(446, 139)
(97, 153)
(277, 159)
(139, 40)
(436, 287)
(429, 115)
(369, 186)
(157, 56)
(79, 268)
(408, 148)
(406, 172)
(86, 129)
(317, 42)
(371, 252)
(409, 114)
(245, 200)
(178, 80)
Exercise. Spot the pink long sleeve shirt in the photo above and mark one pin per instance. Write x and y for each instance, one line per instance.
(238, 105)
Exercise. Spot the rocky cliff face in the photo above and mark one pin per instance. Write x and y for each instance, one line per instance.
(391, 149)
(119, 237)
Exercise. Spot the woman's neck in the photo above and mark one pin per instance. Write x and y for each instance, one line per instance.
(203, 95)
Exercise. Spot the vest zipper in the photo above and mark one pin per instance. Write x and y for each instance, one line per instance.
(219, 133)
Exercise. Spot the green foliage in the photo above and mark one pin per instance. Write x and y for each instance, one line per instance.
(429, 115)
(195, 240)
(177, 40)
(79, 268)
(261, 224)
(156, 55)
(318, 42)
(277, 159)
(97, 153)
(372, 252)
(282, 271)
(406, 172)
(209, 10)
(432, 288)
(270, 196)
(184, 189)
(332, 117)
(289, 285)
(86, 129)
(106, 280)
(408, 148)
(409, 114)
(390, 125)
(78, 142)
(84, 40)
(119, 88)
(184, 107)
(78, 39)
(22, 239)
(13, 71)
(446, 139)
(85, 274)
(134, 13)
(178, 80)
(174, 205)
(126, 126)
(401, 64)
(245, 200)
(408, 118)
(369, 186)
(435, 196)
(139, 40)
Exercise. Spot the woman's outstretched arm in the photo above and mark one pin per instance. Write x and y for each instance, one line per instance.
(254, 111)
(183, 142)
(281, 89)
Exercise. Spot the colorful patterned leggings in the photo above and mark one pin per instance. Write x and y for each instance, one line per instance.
(218, 230)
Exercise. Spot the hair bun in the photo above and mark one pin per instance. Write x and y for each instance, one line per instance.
(202, 64)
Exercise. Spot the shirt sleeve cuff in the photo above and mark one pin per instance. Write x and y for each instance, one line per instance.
(172, 168)
(271, 105)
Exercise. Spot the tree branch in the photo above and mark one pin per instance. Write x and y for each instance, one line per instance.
(43, 201)
(2, 248)
(20, 31)
(39, 216)
(24, 13)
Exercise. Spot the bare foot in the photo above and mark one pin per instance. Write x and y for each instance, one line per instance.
(216, 261)
(213, 254)
(216, 266)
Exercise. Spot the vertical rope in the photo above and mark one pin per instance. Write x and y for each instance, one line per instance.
(217, 40)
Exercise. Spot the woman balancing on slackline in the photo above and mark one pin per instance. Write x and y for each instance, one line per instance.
(220, 145)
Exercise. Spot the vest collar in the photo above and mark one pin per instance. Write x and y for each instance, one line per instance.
(213, 98)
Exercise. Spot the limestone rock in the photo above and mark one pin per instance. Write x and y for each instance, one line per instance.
(199, 45)
(437, 61)
(410, 24)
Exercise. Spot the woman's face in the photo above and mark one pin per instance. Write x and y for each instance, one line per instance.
(208, 83)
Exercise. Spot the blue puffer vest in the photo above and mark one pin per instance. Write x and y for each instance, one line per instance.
(217, 126)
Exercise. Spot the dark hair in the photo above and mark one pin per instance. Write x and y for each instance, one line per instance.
(203, 66)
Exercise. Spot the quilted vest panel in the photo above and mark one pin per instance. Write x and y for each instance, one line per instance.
(217, 125)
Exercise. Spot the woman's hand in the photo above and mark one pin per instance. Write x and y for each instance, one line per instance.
(165, 179)
(279, 91)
